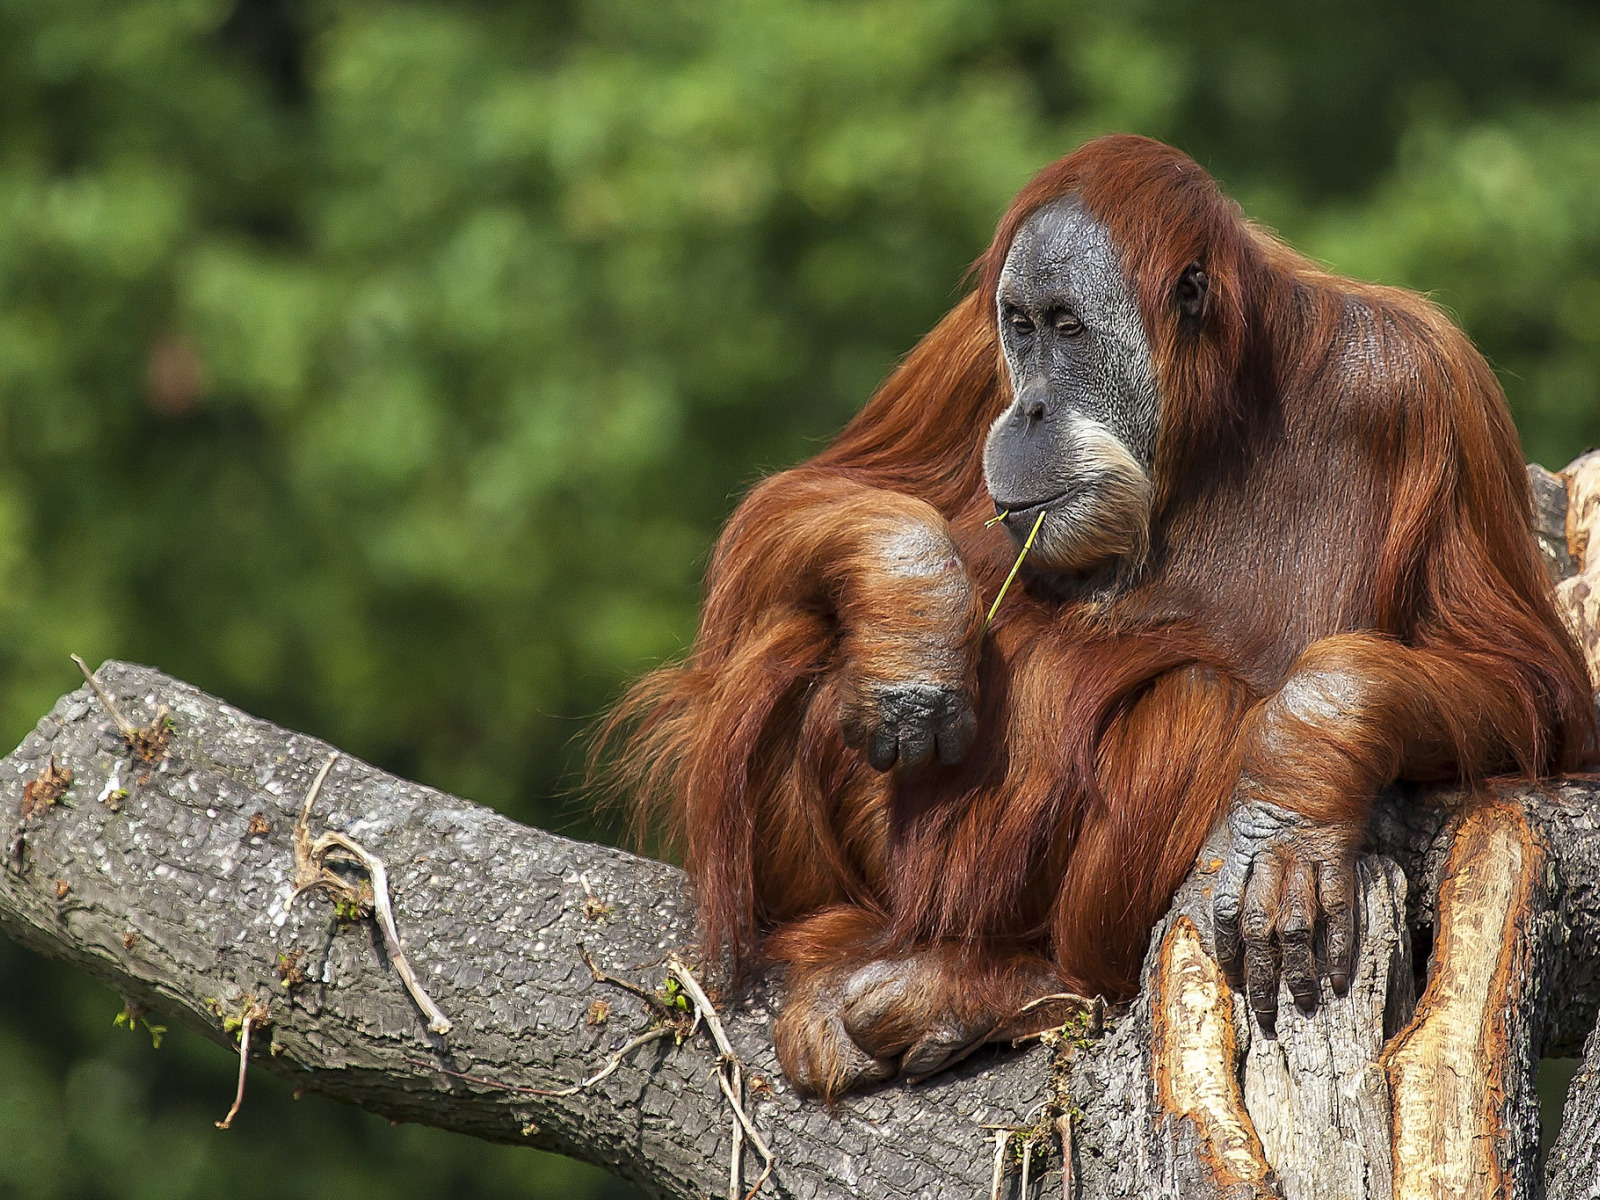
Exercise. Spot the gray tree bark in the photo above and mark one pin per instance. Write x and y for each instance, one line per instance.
(174, 893)
(1573, 1169)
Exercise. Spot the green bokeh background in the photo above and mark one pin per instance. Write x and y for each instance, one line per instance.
(387, 368)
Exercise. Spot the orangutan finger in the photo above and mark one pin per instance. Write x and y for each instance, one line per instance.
(1227, 897)
(938, 1049)
(1257, 921)
(1336, 888)
(956, 733)
(916, 744)
(883, 747)
(1297, 920)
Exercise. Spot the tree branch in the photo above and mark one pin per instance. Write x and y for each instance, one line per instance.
(176, 894)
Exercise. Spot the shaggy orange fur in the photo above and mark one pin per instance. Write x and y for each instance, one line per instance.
(1340, 589)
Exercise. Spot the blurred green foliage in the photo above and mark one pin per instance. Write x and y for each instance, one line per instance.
(388, 367)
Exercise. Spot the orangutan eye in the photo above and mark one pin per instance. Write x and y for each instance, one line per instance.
(1068, 323)
(1020, 325)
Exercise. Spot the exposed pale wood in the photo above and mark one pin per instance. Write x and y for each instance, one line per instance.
(1193, 1056)
(1579, 595)
(1446, 1070)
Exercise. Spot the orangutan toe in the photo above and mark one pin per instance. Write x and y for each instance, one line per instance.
(878, 1010)
(816, 1052)
(940, 1048)
(907, 1007)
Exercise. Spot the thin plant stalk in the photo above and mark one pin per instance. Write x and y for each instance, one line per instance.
(1015, 567)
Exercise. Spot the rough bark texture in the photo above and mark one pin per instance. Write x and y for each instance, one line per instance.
(171, 898)
(175, 903)
(1573, 1168)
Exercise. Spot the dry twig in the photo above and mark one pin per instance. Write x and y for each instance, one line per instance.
(730, 1078)
(1064, 1128)
(659, 1012)
(311, 871)
(479, 1079)
(244, 1066)
(124, 726)
(308, 873)
(1001, 1138)
(665, 1022)
(1015, 567)
(148, 742)
(612, 1063)
(254, 1015)
(374, 867)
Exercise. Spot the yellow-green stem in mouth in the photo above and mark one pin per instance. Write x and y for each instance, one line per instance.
(1015, 567)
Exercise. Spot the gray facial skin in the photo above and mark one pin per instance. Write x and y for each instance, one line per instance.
(1079, 439)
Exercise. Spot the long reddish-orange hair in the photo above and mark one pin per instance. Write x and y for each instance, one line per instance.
(1333, 457)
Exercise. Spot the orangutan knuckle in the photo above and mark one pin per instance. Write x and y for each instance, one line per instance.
(1256, 923)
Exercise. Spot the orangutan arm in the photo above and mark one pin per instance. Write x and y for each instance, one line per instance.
(884, 568)
(1358, 711)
